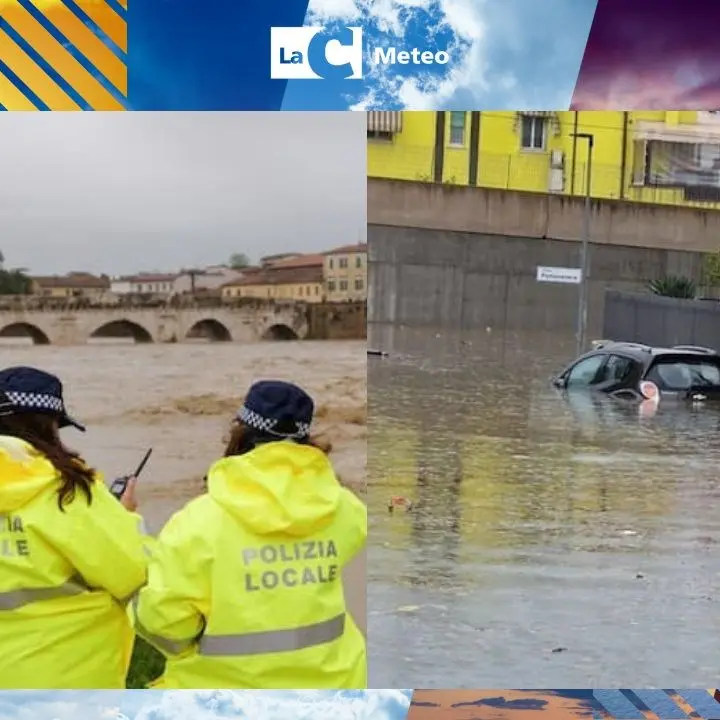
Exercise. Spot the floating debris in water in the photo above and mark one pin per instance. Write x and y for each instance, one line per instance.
(399, 501)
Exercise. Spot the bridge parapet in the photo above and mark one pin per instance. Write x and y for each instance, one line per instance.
(241, 323)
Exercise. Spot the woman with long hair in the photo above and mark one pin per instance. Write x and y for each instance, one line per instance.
(245, 584)
(71, 555)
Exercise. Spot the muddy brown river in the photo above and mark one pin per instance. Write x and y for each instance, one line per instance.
(179, 399)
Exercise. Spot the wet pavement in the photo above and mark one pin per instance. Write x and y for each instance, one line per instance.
(552, 542)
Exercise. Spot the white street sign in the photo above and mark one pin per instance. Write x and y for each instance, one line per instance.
(568, 276)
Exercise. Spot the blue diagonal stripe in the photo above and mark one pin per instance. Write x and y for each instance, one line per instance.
(65, 42)
(22, 87)
(617, 705)
(2, 108)
(659, 702)
(702, 702)
(118, 8)
(37, 58)
(76, 10)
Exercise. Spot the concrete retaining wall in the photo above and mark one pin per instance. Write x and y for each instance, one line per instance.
(521, 214)
(465, 281)
(465, 258)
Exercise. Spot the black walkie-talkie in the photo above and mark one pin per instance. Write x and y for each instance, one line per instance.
(119, 486)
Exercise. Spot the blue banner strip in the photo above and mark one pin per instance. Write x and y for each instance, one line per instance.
(205, 56)
(702, 702)
(617, 705)
(659, 702)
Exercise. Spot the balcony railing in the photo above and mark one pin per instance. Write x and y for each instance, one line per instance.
(532, 172)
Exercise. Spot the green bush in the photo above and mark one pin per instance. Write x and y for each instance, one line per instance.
(147, 664)
(675, 286)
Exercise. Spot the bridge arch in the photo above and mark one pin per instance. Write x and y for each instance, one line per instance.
(209, 329)
(280, 331)
(25, 330)
(122, 329)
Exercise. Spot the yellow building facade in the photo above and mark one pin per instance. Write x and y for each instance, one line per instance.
(302, 285)
(299, 292)
(345, 273)
(71, 286)
(667, 157)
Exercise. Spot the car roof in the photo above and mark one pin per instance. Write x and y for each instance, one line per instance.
(644, 352)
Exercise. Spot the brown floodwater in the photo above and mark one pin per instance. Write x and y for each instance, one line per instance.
(180, 398)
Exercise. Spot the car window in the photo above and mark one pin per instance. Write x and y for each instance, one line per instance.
(585, 372)
(618, 368)
(674, 373)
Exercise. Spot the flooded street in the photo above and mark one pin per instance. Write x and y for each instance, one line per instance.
(180, 399)
(551, 543)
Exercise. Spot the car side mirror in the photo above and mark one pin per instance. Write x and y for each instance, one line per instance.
(559, 382)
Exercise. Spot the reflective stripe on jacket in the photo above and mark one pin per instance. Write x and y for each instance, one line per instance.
(245, 584)
(65, 577)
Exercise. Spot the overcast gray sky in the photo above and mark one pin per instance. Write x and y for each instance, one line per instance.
(126, 192)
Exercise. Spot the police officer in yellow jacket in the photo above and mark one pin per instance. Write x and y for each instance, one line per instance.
(245, 584)
(70, 554)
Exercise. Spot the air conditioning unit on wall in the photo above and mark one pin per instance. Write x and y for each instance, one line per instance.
(556, 173)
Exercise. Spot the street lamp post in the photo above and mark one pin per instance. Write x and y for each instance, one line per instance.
(583, 287)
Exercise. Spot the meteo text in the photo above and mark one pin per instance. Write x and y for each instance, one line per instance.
(393, 56)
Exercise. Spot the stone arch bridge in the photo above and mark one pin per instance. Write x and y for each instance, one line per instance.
(75, 327)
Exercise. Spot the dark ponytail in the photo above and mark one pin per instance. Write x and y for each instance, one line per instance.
(40, 431)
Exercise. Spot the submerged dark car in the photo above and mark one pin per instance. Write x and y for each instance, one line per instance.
(631, 371)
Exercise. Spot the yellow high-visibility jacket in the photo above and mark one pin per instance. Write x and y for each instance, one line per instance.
(245, 584)
(65, 579)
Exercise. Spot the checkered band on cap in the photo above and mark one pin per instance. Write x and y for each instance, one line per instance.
(35, 401)
(257, 421)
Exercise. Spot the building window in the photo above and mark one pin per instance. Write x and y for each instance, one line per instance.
(343, 263)
(457, 128)
(343, 285)
(331, 286)
(359, 284)
(358, 261)
(317, 289)
(300, 291)
(532, 132)
(330, 263)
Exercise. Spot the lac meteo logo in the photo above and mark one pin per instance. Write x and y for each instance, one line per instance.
(314, 53)
(311, 53)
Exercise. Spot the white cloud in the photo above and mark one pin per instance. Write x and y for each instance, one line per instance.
(284, 705)
(422, 92)
(214, 705)
(113, 713)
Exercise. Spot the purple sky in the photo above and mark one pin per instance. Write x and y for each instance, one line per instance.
(651, 54)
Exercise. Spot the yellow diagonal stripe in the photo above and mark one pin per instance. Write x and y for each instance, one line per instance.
(107, 20)
(88, 87)
(85, 40)
(34, 76)
(11, 98)
(123, 3)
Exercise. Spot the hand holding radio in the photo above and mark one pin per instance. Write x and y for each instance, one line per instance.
(123, 488)
(128, 499)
